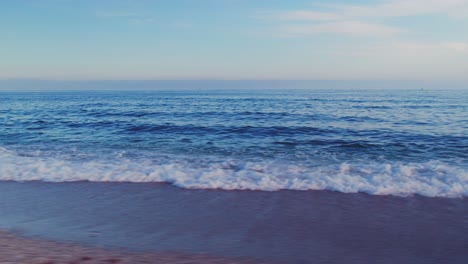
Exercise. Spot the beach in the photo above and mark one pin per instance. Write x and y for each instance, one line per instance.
(265, 227)
(14, 249)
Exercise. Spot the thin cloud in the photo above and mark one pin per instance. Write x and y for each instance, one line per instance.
(113, 14)
(393, 8)
(350, 28)
(299, 15)
(461, 47)
(402, 8)
(141, 20)
(360, 20)
(130, 17)
(419, 50)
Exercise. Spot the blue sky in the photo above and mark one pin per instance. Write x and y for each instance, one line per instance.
(234, 39)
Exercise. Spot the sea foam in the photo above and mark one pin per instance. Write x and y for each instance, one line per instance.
(432, 178)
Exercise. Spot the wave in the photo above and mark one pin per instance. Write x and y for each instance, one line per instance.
(432, 179)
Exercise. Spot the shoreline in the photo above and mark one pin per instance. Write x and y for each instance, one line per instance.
(17, 249)
(160, 223)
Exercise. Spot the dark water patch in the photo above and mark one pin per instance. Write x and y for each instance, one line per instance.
(360, 119)
(383, 107)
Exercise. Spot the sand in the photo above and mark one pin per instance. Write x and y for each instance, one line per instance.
(15, 249)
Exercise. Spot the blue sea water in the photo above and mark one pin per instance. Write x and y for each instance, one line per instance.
(380, 142)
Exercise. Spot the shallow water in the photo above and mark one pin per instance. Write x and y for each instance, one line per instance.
(282, 226)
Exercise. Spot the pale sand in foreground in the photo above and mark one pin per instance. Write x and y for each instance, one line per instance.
(14, 249)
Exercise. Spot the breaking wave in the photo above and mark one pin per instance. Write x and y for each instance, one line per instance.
(431, 178)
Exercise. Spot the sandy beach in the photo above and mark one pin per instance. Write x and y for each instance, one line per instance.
(15, 249)
(175, 225)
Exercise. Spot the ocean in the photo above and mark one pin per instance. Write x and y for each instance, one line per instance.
(294, 176)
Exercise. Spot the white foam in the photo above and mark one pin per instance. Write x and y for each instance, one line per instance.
(434, 179)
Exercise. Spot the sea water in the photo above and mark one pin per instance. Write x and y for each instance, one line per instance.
(380, 142)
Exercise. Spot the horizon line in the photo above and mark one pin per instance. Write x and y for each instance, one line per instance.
(229, 80)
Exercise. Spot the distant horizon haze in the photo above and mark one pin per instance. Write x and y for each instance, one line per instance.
(50, 85)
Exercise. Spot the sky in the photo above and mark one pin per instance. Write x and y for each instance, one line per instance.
(234, 40)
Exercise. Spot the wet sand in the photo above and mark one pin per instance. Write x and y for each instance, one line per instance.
(291, 227)
(14, 249)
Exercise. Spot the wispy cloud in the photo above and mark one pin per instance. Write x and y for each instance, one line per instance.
(425, 48)
(130, 17)
(391, 8)
(461, 47)
(299, 15)
(360, 20)
(350, 28)
(111, 14)
(142, 20)
(402, 8)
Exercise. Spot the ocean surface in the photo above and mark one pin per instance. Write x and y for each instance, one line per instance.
(282, 176)
(377, 142)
